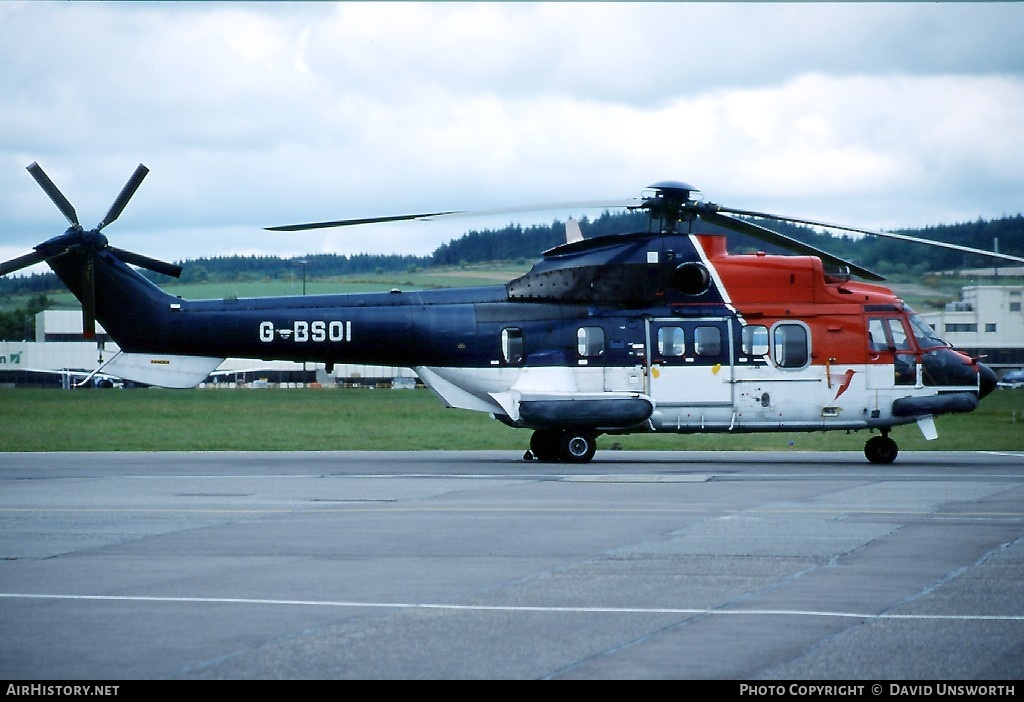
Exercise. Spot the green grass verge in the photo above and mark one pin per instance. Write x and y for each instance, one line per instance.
(318, 419)
(442, 277)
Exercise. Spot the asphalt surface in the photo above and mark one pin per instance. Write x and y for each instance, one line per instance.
(458, 565)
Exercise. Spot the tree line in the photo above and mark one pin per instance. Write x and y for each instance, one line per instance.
(515, 243)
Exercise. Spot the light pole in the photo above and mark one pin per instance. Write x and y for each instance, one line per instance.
(303, 262)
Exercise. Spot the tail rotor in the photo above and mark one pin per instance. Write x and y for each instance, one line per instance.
(86, 242)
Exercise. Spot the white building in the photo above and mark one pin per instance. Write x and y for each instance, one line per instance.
(988, 322)
(65, 325)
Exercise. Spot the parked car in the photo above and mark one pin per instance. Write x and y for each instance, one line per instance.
(1013, 379)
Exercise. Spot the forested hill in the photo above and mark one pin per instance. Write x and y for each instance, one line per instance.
(515, 243)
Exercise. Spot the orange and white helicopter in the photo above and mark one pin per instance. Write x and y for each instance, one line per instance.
(654, 331)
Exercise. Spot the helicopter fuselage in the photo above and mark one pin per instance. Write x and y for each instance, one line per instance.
(646, 332)
(635, 333)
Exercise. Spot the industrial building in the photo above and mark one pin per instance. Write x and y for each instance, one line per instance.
(987, 322)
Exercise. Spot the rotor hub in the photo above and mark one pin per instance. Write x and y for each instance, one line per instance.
(93, 241)
(671, 202)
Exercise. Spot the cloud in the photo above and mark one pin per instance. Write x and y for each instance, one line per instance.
(256, 114)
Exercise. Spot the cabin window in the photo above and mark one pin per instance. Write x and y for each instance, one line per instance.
(791, 345)
(512, 346)
(671, 341)
(590, 341)
(755, 340)
(707, 341)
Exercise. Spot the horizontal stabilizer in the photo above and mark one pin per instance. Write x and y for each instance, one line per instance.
(162, 370)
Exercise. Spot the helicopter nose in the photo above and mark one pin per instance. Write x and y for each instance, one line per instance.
(986, 380)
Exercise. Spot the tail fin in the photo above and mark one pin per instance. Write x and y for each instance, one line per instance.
(572, 231)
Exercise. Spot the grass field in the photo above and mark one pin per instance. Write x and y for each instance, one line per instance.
(318, 419)
(461, 276)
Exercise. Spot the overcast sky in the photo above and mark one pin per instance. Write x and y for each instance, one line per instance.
(255, 114)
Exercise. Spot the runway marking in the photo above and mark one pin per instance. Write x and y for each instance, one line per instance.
(507, 608)
(640, 478)
(312, 506)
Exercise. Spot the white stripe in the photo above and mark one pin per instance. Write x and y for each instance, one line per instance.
(504, 608)
(726, 298)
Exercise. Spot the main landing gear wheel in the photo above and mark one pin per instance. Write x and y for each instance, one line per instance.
(549, 445)
(578, 446)
(544, 445)
(881, 449)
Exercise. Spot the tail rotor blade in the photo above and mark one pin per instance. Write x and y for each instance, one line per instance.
(155, 265)
(124, 196)
(16, 264)
(55, 194)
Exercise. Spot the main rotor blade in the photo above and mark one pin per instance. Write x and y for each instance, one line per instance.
(588, 204)
(152, 264)
(16, 264)
(55, 194)
(887, 235)
(786, 242)
(124, 196)
(351, 222)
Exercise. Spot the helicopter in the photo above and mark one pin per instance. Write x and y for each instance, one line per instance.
(657, 331)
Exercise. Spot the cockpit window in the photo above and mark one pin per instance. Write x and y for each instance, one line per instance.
(925, 335)
(900, 340)
(889, 334)
(877, 338)
(892, 333)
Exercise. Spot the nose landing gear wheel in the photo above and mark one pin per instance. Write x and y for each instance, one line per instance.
(881, 449)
